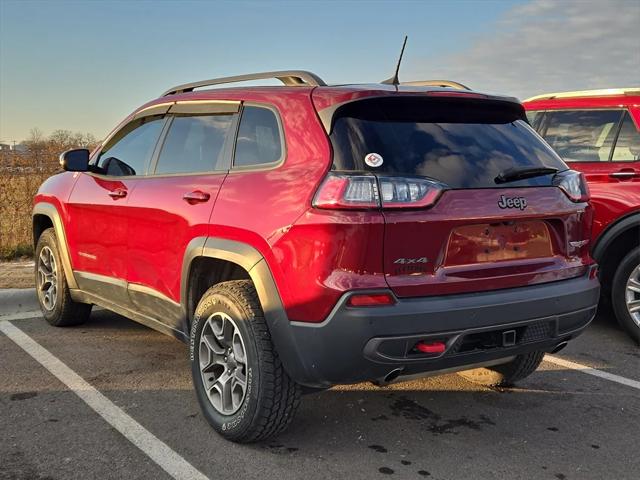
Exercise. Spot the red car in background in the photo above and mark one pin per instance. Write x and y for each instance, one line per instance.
(598, 133)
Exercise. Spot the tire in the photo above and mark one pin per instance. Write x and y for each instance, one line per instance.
(507, 374)
(228, 329)
(51, 285)
(623, 289)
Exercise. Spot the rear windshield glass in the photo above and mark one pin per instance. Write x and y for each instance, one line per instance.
(463, 143)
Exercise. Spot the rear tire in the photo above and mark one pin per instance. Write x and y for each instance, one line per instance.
(507, 374)
(231, 351)
(625, 289)
(51, 285)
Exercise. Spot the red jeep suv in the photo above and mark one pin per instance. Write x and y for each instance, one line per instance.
(305, 235)
(598, 133)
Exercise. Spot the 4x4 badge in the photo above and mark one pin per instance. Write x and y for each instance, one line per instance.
(515, 202)
(406, 261)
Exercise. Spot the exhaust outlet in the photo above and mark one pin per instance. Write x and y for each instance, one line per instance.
(388, 378)
(559, 347)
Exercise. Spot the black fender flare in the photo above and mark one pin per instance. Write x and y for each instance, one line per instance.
(612, 232)
(251, 260)
(49, 210)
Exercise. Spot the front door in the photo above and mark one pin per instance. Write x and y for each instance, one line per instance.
(98, 226)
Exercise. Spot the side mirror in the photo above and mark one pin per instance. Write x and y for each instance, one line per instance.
(76, 160)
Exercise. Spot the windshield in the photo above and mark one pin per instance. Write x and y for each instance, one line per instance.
(462, 143)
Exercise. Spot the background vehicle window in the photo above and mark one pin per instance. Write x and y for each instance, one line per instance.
(627, 147)
(195, 144)
(259, 139)
(129, 150)
(533, 116)
(582, 135)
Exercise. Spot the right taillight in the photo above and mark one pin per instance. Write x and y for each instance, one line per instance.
(353, 191)
(573, 184)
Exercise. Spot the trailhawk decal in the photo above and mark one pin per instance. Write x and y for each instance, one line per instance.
(512, 202)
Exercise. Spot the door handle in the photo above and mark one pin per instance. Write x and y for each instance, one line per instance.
(624, 174)
(196, 197)
(118, 193)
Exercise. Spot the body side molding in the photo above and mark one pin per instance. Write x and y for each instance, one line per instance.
(49, 210)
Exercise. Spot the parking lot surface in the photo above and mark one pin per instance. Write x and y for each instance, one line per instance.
(560, 423)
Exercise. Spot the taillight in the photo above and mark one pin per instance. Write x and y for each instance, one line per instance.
(404, 192)
(347, 192)
(573, 184)
(352, 191)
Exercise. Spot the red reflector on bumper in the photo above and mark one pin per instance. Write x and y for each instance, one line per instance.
(431, 347)
(370, 300)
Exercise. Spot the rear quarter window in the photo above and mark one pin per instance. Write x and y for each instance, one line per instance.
(259, 140)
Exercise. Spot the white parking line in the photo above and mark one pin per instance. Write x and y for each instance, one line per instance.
(561, 362)
(154, 448)
(22, 315)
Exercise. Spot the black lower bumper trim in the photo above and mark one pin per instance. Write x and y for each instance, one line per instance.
(359, 344)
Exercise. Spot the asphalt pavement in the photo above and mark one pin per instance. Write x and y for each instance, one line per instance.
(560, 423)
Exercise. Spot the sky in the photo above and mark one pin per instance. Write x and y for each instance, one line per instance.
(85, 65)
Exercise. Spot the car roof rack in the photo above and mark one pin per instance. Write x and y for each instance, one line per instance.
(436, 83)
(287, 77)
(602, 92)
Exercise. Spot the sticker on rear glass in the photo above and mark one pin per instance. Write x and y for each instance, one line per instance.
(373, 159)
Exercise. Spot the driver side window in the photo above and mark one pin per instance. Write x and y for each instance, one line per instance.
(129, 151)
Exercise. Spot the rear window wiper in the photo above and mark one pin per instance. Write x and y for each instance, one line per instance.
(511, 174)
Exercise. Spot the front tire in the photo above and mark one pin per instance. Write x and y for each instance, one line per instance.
(625, 293)
(241, 385)
(51, 285)
(507, 374)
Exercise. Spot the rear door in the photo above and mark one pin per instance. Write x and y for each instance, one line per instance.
(604, 144)
(451, 225)
(98, 223)
(172, 205)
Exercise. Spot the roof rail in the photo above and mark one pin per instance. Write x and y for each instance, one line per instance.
(436, 83)
(287, 77)
(602, 92)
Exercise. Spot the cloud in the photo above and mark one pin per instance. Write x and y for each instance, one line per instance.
(545, 46)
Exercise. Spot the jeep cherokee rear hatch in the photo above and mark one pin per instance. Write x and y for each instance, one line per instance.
(469, 193)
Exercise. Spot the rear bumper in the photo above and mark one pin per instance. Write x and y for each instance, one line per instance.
(376, 343)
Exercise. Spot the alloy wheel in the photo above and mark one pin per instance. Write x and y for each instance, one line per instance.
(223, 363)
(47, 277)
(632, 295)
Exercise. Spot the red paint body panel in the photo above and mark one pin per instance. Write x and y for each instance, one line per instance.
(161, 225)
(427, 233)
(612, 198)
(97, 228)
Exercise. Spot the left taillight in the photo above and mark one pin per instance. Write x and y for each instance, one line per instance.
(573, 184)
(352, 191)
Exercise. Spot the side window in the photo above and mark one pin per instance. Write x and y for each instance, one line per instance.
(627, 147)
(533, 116)
(195, 144)
(259, 140)
(582, 135)
(129, 150)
